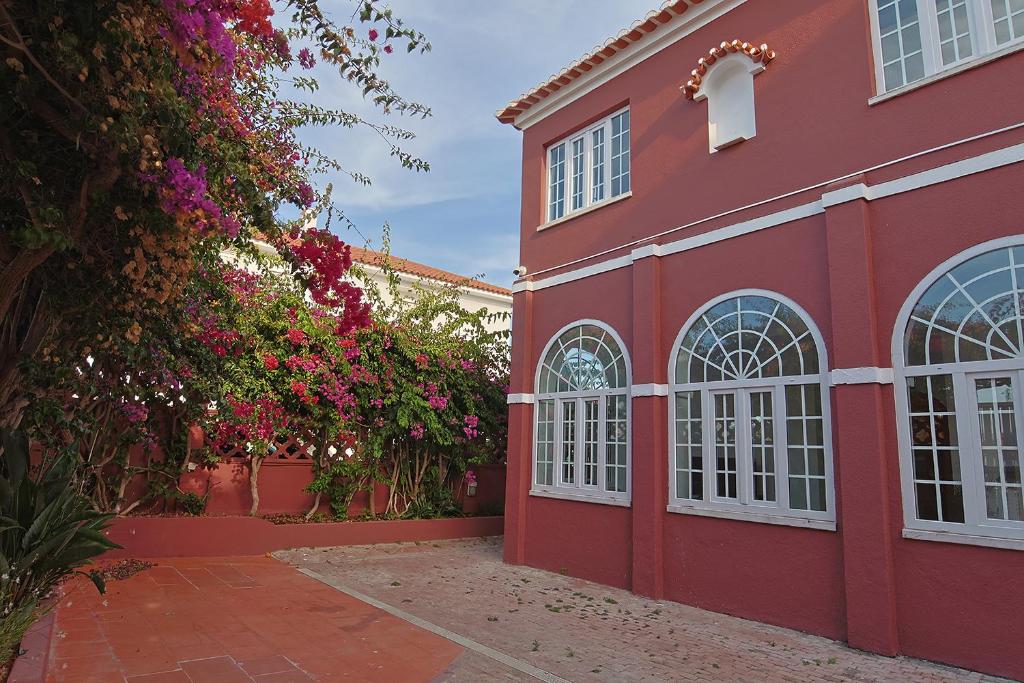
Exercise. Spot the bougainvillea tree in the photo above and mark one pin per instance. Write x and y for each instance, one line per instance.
(430, 381)
(285, 368)
(140, 137)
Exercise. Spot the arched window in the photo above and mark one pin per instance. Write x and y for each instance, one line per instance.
(959, 360)
(749, 414)
(581, 438)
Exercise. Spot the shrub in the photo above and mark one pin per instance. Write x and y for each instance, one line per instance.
(48, 530)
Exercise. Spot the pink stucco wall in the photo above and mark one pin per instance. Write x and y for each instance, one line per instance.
(851, 267)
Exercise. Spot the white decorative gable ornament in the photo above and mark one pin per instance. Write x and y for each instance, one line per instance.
(725, 78)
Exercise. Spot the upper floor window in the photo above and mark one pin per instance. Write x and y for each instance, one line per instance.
(749, 414)
(589, 167)
(918, 38)
(581, 438)
(961, 398)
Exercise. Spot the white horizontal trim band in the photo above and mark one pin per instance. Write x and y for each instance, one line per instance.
(514, 399)
(752, 516)
(860, 376)
(648, 390)
(964, 539)
(915, 181)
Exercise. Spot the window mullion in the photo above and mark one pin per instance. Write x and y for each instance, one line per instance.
(708, 441)
(928, 26)
(581, 426)
(744, 448)
(782, 448)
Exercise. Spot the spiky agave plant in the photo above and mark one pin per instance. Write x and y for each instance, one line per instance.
(48, 530)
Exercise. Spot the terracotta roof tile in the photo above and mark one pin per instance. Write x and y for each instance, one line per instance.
(376, 258)
(758, 55)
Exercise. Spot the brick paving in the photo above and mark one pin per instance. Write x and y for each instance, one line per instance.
(582, 631)
(220, 620)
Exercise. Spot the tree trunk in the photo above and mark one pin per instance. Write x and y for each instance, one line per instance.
(315, 506)
(254, 473)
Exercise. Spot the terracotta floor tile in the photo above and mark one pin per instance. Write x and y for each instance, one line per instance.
(294, 676)
(177, 676)
(215, 670)
(266, 665)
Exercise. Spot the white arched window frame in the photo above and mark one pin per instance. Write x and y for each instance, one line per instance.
(751, 438)
(581, 427)
(958, 361)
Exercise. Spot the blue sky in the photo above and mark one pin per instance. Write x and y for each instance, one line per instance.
(464, 214)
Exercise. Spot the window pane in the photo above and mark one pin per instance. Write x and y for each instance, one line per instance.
(577, 174)
(1000, 456)
(762, 446)
(805, 433)
(1008, 19)
(934, 438)
(556, 182)
(616, 431)
(620, 154)
(590, 441)
(568, 442)
(689, 446)
(901, 55)
(545, 442)
(954, 30)
(725, 445)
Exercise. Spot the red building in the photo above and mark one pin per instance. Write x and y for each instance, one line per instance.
(768, 355)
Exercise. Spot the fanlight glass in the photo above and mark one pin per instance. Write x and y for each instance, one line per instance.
(972, 313)
(746, 337)
(584, 358)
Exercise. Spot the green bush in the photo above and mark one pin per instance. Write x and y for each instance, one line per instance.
(48, 529)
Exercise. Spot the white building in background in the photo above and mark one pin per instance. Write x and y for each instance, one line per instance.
(474, 294)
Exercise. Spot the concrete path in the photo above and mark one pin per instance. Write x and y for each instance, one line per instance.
(522, 624)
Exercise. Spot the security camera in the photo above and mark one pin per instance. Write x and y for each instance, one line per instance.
(519, 271)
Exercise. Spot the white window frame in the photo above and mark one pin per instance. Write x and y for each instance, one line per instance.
(983, 43)
(977, 529)
(744, 507)
(587, 136)
(578, 490)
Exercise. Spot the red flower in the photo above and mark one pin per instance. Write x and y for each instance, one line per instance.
(270, 362)
(373, 34)
(388, 49)
(296, 336)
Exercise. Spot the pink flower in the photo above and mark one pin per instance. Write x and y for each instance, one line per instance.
(417, 431)
(388, 49)
(470, 478)
(306, 58)
(438, 402)
(373, 34)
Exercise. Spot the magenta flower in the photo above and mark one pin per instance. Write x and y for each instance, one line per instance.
(306, 58)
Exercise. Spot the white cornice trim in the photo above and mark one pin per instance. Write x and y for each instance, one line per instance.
(860, 376)
(648, 390)
(933, 176)
(694, 18)
(915, 181)
(846, 194)
(515, 399)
